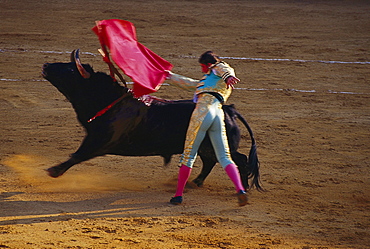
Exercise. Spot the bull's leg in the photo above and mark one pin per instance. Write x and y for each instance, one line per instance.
(90, 148)
(242, 161)
(208, 165)
(59, 170)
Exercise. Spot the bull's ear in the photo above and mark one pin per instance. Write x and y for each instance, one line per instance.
(76, 58)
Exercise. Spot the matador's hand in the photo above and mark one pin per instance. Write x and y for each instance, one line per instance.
(231, 81)
(168, 74)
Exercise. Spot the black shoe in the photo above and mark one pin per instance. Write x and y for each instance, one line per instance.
(177, 200)
(242, 198)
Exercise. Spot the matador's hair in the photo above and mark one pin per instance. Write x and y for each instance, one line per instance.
(208, 57)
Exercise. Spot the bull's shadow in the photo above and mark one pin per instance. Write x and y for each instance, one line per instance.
(117, 123)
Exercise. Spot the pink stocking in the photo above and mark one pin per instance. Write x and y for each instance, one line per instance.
(233, 173)
(184, 173)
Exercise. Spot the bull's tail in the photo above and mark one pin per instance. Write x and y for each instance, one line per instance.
(253, 162)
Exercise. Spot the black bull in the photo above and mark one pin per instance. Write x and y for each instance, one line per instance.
(133, 128)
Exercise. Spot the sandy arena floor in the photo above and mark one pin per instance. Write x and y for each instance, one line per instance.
(310, 116)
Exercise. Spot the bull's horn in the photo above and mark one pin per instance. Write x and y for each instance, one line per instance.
(73, 56)
(79, 66)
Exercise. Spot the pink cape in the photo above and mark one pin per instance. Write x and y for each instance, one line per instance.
(143, 66)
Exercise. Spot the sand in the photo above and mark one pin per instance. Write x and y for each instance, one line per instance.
(310, 113)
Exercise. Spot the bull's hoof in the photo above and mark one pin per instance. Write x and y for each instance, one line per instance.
(192, 185)
(198, 182)
(242, 198)
(54, 172)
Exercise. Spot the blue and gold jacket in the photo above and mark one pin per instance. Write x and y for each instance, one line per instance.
(213, 81)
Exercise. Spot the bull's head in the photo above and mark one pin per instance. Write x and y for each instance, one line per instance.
(71, 79)
(88, 91)
(49, 73)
